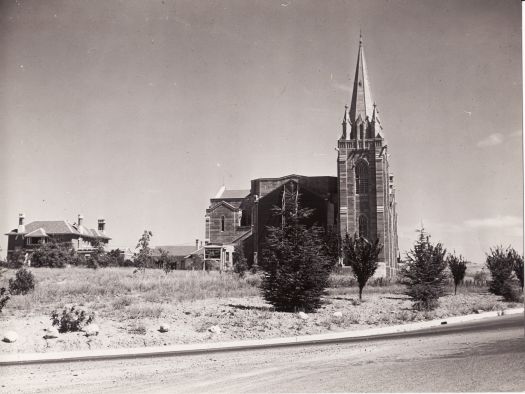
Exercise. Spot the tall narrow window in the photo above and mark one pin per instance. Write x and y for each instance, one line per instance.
(361, 132)
(361, 178)
(222, 223)
(363, 226)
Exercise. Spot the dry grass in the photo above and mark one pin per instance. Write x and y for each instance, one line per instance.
(120, 289)
(129, 307)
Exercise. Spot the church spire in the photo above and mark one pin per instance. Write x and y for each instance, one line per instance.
(362, 101)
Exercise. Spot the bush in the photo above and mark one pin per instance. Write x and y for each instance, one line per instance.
(72, 319)
(424, 273)
(16, 259)
(4, 293)
(240, 264)
(53, 254)
(510, 292)
(23, 283)
(212, 265)
(4, 297)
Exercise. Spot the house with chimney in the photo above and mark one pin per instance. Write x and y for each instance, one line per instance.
(27, 237)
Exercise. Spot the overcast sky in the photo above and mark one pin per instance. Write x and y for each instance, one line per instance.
(138, 111)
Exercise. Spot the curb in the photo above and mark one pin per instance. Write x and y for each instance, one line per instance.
(187, 349)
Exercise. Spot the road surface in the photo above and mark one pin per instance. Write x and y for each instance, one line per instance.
(482, 356)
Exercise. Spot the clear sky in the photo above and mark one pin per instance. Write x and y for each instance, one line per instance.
(138, 111)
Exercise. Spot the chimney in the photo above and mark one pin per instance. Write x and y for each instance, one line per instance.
(196, 244)
(101, 224)
(21, 225)
(80, 219)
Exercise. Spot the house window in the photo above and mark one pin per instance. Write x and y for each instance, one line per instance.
(361, 178)
(222, 223)
(363, 226)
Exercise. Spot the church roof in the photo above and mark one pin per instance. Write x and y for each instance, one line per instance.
(362, 101)
(225, 194)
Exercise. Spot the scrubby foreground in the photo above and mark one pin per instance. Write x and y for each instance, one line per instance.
(130, 308)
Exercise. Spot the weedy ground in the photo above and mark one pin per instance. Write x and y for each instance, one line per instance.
(130, 307)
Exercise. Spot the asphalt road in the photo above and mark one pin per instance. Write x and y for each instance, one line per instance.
(479, 356)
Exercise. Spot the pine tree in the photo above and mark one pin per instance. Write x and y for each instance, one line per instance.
(424, 272)
(294, 261)
(457, 267)
(361, 255)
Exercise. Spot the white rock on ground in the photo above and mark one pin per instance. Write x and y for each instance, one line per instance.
(215, 329)
(338, 314)
(303, 316)
(164, 327)
(10, 336)
(50, 333)
(91, 329)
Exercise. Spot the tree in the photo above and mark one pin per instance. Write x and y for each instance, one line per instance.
(294, 262)
(240, 264)
(361, 255)
(457, 267)
(143, 258)
(500, 263)
(424, 272)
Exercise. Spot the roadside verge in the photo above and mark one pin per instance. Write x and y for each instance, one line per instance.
(186, 349)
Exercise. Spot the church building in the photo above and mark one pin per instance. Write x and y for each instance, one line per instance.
(360, 200)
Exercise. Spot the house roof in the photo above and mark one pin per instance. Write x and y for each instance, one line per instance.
(39, 232)
(175, 250)
(51, 227)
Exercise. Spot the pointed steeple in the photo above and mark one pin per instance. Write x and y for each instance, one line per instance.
(362, 101)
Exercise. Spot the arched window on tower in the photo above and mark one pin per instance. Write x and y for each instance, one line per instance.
(361, 132)
(361, 178)
(222, 223)
(363, 226)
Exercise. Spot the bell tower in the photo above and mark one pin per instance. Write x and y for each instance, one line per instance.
(367, 204)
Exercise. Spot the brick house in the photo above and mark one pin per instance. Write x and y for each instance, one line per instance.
(360, 200)
(24, 238)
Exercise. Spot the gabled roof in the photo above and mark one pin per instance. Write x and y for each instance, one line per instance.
(225, 203)
(38, 233)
